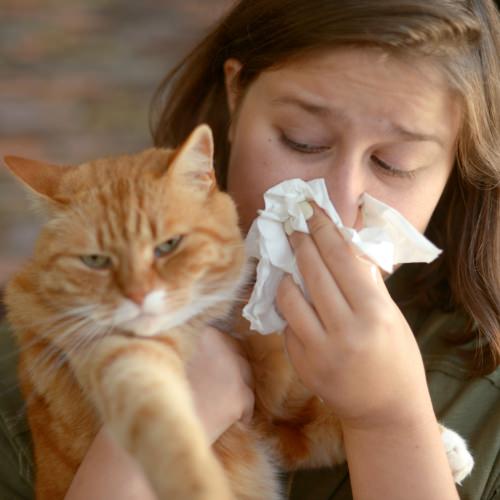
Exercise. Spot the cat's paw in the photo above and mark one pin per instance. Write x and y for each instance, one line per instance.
(459, 457)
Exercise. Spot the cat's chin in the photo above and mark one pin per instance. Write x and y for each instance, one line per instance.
(145, 325)
(149, 325)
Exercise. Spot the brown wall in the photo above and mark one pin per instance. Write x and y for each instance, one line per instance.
(76, 78)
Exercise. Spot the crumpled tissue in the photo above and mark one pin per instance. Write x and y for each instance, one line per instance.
(386, 239)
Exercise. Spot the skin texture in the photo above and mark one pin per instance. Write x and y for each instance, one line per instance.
(347, 129)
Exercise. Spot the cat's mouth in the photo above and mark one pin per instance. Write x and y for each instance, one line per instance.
(144, 324)
(150, 324)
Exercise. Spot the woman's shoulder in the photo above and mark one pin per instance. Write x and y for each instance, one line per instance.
(16, 464)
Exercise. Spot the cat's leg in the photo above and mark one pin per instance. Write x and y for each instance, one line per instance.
(459, 457)
(248, 463)
(140, 390)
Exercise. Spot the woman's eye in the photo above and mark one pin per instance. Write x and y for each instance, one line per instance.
(168, 246)
(302, 147)
(95, 261)
(390, 170)
(312, 149)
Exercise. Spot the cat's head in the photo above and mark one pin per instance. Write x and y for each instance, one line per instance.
(142, 243)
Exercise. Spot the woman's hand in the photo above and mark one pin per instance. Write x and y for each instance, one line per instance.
(353, 348)
(221, 382)
(351, 345)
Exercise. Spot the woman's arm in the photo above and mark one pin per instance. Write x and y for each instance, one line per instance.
(221, 383)
(107, 471)
(404, 460)
(353, 348)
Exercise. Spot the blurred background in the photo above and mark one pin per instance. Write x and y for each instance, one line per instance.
(77, 77)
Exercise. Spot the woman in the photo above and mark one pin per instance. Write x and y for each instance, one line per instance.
(399, 99)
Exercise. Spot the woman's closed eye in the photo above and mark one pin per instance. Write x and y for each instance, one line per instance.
(388, 169)
(306, 148)
(303, 147)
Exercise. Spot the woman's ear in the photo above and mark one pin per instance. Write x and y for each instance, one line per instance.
(232, 68)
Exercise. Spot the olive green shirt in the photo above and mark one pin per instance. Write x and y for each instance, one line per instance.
(468, 405)
(16, 463)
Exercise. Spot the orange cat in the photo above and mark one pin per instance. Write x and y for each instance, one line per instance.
(139, 253)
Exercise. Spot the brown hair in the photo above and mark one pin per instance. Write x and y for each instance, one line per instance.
(461, 36)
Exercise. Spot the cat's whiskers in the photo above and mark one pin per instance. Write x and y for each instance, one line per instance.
(47, 352)
(85, 345)
(44, 367)
(181, 301)
(57, 321)
(78, 311)
(90, 333)
(177, 303)
(64, 333)
(55, 349)
(91, 342)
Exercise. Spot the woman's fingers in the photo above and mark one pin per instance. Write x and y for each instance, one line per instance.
(324, 292)
(294, 347)
(298, 312)
(358, 280)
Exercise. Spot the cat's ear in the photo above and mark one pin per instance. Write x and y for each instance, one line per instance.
(193, 165)
(41, 179)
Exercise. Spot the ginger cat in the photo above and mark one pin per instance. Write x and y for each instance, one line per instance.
(139, 253)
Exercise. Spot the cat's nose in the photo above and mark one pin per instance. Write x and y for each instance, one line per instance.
(136, 295)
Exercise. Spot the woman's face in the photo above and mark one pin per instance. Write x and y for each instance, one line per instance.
(363, 120)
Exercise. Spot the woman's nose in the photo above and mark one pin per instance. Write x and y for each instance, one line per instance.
(346, 185)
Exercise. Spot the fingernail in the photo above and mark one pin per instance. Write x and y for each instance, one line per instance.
(306, 209)
(288, 227)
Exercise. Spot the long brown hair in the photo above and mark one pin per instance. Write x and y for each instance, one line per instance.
(461, 36)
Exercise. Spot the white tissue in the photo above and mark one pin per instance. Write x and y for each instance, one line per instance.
(387, 239)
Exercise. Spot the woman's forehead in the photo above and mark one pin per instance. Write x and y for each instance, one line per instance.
(326, 73)
(364, 82)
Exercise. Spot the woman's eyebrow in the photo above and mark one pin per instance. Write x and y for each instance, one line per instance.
(310, 107)
(327, 111)
(411, 135)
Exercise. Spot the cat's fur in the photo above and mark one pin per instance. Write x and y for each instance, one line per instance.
(87, 360)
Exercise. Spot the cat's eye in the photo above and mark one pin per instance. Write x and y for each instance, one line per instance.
(168, 246)
(95, 261)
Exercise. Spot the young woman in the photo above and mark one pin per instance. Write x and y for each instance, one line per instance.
(399, 99)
